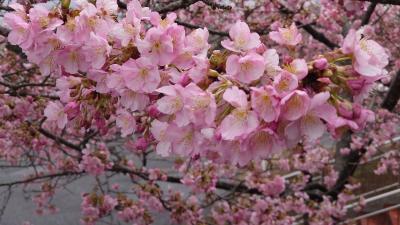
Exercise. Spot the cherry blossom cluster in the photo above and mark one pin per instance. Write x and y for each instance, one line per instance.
(145, 74)
(237, 118)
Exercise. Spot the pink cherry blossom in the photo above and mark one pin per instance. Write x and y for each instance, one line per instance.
(200, 104)
(96, 48)
(108, 6)
(242, 39)
(142, 75)
(271, 58)
(133, 100)
(158, 46)
(89, 21)
(72, 59)
(241, 121)
(286, 36)
(126, 32)
(285, 83)
(369, 57)
(100, 77)
(158, 130)
(157, 21)
(199, 72)
(263, 143)
(265, 103)
(20, 30)
(126, 121)
(310, 125)
(299, 68)
(173, 103)
(197, 42)
(185, 140)
(247, 68)
(295, 105)
(39, 16)
(136, 11)
(55, 112)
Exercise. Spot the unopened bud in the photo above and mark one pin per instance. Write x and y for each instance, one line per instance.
(65, 4)
(213, 73)
(327, 73)
(321, 64)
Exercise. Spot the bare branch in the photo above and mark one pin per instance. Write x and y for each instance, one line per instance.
(6, 8)
(389, 2)
(317, 35)
(172, 179)
(216, 32)
(393, 95)
(216, 5)
(368, 14)
(26, 94)
(4, 32)
(192, 26)
(59, 139)
(180, 4)
(175, 5)
(351, 162)
(32, 179)
(309, 29)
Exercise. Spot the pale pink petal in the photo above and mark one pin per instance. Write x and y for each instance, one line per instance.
(295, 105)
(319, 99)
(312, 127)
(169, 104)
(236, 97)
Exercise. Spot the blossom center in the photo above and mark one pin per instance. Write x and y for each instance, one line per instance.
(294, 102)
(287, 35)
(44, 22)
(240, 114)
(143, 72)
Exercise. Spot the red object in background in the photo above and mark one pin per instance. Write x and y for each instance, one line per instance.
(391, 217)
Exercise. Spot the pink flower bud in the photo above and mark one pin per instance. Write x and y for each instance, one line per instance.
(153, 111)
(321, 64)
(345, 110)
(72, 110)
(287, 59)
(141, 144)
(185, 80)
(261, 49)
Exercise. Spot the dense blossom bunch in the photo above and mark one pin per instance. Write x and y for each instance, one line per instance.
(250, 111)
(235, 106)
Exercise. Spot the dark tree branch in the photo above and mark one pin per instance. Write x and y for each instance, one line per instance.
(59, 139)
(121, 5)
(317, 35)
(215, 5)
(17, 50)
(173, 179)
(192, 26)
(32, 179)
(186, 3)
(180, 4)
(351, 162)
(347, 165)
(309, 29)
(6, 8)
(393, 95)
(19, 86)
(389, 2)
(175, 5)
(368, 14)
(26, 94)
